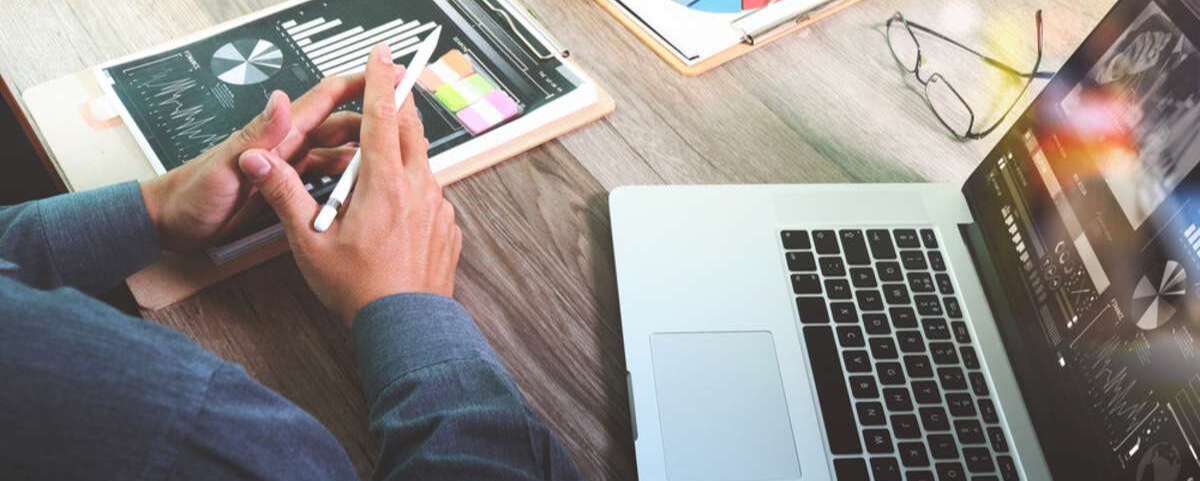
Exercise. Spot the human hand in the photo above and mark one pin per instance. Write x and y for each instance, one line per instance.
(207, 199)
(397, 234)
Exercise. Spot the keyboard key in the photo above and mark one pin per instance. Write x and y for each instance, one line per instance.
(883, 348)
(935, 328)
(950, 472)
(969, 358)
(863, 387)
(881, 244)
(812, 310)
(889, 272)
(926, 392)
(896, 294)
(855, 248)
(903, 317)
(906, 426)
(890, 373)
(806, 284)
(869, 300)
(999, 442)
(844, 312)
(960, 404)
(840, 427)
(913, 260)
(918, 366)
(934, 419)
(876, 324)
(862, 277)
(870, 413)
(913, 455)
(907, 238)
(921, 282)
(987, 411)
(1008, 469)
(922, 475)
(851, 469)
(826, 242)
(945, 286)
(942, 446)
(978, 460)
(943, 353)
(850, 336)
(838, 289)
(937, 262)
(801, 262)
(960, 332)
(910, 341)
(969, 431)
(897, 399)
(833, 267)
(978, 383)
(879, 441)
(885, 469)
(856, 360)
(952, 378)
(929, 239)
(952, 308)
(928, 305)
(796, 240)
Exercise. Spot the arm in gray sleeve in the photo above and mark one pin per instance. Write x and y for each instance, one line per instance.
(87, 240)
(440, 402)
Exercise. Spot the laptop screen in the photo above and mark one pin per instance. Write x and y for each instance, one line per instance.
(1090, 212)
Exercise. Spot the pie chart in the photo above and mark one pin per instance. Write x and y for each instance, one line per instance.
(723, 6)
(247, 61)
(1159, 297)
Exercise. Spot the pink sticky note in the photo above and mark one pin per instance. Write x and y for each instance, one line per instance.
(503, 104)
(474, 122)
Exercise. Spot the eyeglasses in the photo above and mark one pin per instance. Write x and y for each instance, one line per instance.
(950, 108)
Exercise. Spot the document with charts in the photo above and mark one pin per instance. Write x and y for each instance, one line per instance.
(494, 77)
(496, 85)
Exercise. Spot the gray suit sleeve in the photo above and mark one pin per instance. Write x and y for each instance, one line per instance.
(441, 404)
(88, 240)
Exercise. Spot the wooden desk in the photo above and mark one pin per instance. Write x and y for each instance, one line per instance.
(826, 105)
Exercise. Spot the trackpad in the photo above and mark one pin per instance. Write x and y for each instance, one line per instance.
(721, 406)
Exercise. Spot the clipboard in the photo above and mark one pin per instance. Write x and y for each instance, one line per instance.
(91, 146)
(764, 33)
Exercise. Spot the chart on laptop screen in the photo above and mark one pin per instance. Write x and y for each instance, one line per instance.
(1092, 207)
(487, 70)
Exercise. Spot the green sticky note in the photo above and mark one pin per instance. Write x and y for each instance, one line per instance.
(450, 98)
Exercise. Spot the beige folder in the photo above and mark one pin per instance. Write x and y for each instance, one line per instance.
(91, 147)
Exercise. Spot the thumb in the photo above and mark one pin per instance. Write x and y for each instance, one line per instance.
(267, 130)
(281, 188)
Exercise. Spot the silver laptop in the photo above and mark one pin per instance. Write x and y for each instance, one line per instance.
(1039, 322)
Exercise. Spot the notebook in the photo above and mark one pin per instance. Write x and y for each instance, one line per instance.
(695, 36)
(497, 86)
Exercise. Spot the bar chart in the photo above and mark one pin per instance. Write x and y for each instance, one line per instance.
(339, 49)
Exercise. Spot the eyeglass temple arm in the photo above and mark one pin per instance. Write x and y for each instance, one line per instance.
(1037, 64)
(992, 61)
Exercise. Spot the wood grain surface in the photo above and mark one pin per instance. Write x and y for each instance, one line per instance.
(825, 105)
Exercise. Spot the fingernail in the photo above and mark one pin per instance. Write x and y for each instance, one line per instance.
(382, 53)
(256, 166)
(271, 104)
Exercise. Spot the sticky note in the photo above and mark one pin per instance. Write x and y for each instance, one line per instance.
(489, 112)
(450, 68)
(461, 94)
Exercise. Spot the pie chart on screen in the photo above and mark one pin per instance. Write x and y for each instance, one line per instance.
(723, 6)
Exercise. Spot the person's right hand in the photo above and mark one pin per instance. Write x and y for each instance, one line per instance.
(396, 235)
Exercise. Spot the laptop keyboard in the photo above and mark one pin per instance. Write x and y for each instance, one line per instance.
(897, 372)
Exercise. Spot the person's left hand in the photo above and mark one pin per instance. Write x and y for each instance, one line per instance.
(206, 199)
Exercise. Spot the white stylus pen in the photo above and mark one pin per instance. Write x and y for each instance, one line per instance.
(341, 191)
